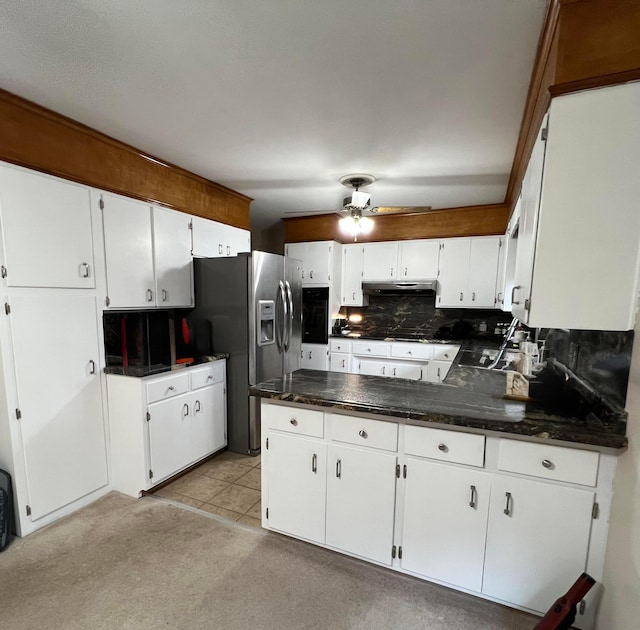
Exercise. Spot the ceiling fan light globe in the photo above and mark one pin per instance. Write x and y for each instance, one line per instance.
(366, 225)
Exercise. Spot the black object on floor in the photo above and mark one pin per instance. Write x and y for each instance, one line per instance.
(6, 509)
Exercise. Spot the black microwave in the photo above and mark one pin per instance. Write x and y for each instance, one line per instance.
(315, 315)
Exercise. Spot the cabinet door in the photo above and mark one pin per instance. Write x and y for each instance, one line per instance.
(445, 522)
(340, 362)
(208, 425)
(406, 370)
(170, 441)
(418, 260)
(316, 263)
(297, 486)
(483, 270)
(528, 230)
(380, 261)
(361, 490)
(314, 357)
(207, 238)
(453, 273)
(172, 255)
(59, 396)
(47, 231)
(437, 371)
(352, 275)
(374, 368)
(537, 541)
(238, 240)
(129, 252)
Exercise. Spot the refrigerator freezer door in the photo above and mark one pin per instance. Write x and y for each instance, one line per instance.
(293, 284)
(267, 281)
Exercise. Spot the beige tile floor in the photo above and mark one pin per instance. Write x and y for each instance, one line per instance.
(227, 485)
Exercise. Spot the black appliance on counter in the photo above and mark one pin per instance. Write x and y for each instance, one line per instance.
(315, 315)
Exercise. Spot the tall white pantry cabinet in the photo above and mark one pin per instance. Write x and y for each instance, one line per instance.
(53, 436)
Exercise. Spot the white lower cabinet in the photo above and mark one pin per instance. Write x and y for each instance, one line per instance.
(537, 541)
(361, 491)
(297, 481)
(512, 521)
(314, 356)
(163, 424)
(445, 522)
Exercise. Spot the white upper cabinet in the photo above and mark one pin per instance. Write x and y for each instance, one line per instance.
(507, 261)
(584, 258)
(418, 260)
(380, 261)
(317, 261)
(172, 255)
(468, 270)
(46, 223)
(352, 276)
(129, 252)
(214, 240)
(148, 260)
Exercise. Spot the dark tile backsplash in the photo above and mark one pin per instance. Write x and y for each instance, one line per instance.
(417, 315)
(601, 358)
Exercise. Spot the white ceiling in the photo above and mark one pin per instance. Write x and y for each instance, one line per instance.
(279, 98)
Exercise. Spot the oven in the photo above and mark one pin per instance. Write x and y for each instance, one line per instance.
(315, 315)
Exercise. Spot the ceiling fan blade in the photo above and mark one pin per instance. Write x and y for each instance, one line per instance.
(309, 212)
(400, 209)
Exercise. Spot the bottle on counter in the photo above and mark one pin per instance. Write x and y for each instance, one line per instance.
(482, 327)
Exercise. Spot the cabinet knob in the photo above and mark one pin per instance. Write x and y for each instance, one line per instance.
(363, 434)
(443, 447)
(409, 352)
(547, 463)
(294, 422)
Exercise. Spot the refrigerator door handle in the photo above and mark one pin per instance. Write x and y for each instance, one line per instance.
(282, 319)
(289, 313)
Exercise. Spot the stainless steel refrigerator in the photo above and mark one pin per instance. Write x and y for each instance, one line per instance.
(249, 306)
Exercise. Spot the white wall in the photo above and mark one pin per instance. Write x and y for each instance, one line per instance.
(620, 607)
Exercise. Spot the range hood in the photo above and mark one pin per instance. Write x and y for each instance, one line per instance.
(399, 288)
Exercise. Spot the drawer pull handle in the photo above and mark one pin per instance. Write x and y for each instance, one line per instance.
(185, 410)
(210, 377)
(409, 352)
(85, 270)
(443, 447)
(314, 463)
(92, 367)
(474, 497)
(513, 294)
(363, 434)
(149, 295)
(547, 463)
(339, 469)
(507, 509)
(171, 388)
(165, 295)
(294, 422)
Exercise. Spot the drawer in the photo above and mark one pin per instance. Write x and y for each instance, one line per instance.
(447, 446)
(294, 420)
(207, 375)
(372, 349)
(444, 352)
(166, 387)
(549, 462)
(363, 432)
(338, 345)
(411, 351)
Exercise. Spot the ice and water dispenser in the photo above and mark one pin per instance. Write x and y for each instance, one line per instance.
(266, 322)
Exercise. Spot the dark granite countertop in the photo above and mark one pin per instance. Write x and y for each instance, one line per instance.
(473, 403)
(139, 371)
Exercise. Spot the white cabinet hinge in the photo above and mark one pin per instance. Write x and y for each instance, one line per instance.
(191, 225)
(101, 203)
(7, 308)
(595, 511)
(107, 301)
(18, 414)
(3, 271)
(28, 510)
(544, 133)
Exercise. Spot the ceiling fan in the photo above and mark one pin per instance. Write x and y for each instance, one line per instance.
(356, 208)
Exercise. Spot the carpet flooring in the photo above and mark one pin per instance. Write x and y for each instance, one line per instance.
(122, 563)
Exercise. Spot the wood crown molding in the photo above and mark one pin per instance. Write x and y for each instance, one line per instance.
(482, 220)
(38, 138)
